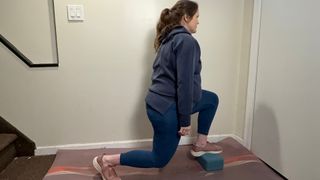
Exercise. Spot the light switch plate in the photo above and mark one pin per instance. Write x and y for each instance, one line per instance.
(75, 12)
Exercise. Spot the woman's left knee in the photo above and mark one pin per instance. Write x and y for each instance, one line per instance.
(211, 97)
(161, 164)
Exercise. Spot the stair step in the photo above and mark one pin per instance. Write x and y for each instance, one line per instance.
(7, 149)
(6, 156)
(28, 168)
(6, 139)
(24, 145)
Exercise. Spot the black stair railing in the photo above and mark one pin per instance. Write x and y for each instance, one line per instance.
(21, 56)
(26, 60)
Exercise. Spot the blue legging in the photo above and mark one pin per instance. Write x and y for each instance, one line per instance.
(166, 137)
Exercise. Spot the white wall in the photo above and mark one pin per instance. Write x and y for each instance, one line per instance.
(97, 93)
(286, 116)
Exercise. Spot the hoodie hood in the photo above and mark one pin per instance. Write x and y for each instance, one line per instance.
(175, 31)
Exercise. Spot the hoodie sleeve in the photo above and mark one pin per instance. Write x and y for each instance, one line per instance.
(185, 51)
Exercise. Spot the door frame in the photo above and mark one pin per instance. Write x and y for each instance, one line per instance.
(253, 70)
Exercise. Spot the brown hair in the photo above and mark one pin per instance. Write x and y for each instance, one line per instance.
(170, 18)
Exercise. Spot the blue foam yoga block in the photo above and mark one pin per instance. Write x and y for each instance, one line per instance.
(211, 162)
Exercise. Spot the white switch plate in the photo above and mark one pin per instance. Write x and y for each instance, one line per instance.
(75, 12)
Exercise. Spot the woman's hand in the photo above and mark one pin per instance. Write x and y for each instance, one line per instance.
(185, 131)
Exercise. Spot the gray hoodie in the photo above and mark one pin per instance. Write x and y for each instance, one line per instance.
(176, 75)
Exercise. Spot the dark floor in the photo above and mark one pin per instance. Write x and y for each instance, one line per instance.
(28, 168)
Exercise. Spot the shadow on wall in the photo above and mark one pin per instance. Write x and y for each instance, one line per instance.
(265, 137)
(141, 126)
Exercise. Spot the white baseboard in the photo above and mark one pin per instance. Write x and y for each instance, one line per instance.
(47, 150)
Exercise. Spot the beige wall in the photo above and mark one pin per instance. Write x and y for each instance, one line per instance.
(286, 113)
(97, 92)
(28, 26)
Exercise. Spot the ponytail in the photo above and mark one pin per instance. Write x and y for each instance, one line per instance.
(170, 18)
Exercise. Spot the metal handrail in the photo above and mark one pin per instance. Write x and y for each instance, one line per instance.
(21, 56)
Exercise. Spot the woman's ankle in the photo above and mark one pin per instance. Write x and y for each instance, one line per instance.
(201, 140)
(200, 144)
(111, 160)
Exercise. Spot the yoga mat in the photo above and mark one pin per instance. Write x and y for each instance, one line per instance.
(239, 164)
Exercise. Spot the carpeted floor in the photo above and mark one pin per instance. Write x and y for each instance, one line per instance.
(28, 168)
(239, 164)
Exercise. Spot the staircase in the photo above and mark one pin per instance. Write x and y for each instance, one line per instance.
(7, 149)
(17, 160)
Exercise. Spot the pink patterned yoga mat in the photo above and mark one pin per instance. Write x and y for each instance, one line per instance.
(239, 164)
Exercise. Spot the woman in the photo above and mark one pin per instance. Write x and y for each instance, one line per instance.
(174, 95)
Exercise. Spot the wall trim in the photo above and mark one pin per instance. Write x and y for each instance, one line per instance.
(47, 150)
(253, 69)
